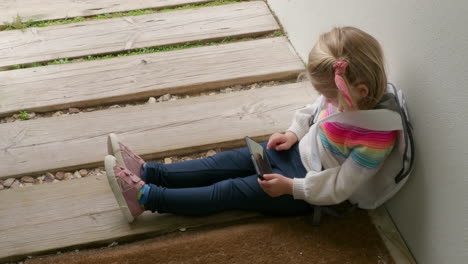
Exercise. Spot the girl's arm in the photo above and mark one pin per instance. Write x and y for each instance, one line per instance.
(300, 124)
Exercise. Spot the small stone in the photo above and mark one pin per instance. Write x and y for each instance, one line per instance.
(228, 90)
(211, 94)
(27, 179)
(49, 177)
(114, 106)
(90, 109)
(9, 119)
(38, 181)
(60, 175)
(83, 173)
(210, 153)
(236, 87)
(1, 182)
(165, 97)
(32, 115)
(16, 116)
(8, 182)
(73, 110)
(58, 113)
(183, 229)
(42, 177)
(167, 160)
(15, 184)
(27, 184)
(68, 176)
(1, 187)
(113, 244)
(151, 100)
(76, 175)
(55, 181)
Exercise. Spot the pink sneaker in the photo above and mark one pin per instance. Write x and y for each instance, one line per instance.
(125, 186)
(125, 157)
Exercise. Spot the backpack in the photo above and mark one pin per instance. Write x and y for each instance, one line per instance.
(390, 114)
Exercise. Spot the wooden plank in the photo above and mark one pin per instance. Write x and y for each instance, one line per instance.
(126, 33)
(53, 9)
(70, 141)
(42, 218)
(136, 77)
(390, 236)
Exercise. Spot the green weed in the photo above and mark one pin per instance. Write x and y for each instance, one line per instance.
(17, 23)
(24, 115)
(278, 33)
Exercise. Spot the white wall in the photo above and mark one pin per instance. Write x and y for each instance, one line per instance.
(426, 46)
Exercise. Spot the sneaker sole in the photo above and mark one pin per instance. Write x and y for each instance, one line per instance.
(113, 148)
(109, 164)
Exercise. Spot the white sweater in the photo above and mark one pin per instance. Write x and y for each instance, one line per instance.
(350, 156)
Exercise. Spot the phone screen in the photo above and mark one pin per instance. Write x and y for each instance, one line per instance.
(259, 157)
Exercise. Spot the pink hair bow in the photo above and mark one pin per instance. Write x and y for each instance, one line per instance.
(340, 69)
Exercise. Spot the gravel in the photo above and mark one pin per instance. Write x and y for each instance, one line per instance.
(27, 179)
(60, 175)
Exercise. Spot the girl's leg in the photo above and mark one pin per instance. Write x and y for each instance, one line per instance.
(229, 194)
(201, 172)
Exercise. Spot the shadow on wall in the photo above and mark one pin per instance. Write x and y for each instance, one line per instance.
(413, 206)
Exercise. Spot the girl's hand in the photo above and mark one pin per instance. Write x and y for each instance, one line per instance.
(282, 141)
(276, 185)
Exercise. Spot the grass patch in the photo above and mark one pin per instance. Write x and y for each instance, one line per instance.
(17, 23)
(24, 115)
(278, 33)
(137, 51)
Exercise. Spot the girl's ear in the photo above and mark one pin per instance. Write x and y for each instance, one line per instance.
(362, 89)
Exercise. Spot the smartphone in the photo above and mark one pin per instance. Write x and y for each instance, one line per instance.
(259, 158)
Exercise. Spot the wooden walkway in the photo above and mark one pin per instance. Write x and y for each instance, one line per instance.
(126, 33)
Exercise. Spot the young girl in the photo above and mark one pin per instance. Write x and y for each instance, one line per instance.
(322, 166)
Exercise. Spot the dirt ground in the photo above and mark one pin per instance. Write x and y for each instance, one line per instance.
(265, 240)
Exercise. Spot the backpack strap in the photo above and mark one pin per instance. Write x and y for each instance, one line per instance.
(319, 211)
(408, 133)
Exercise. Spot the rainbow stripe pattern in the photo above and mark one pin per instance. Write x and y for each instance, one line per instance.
(367, 148)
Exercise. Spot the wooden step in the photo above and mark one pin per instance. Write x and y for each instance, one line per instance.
(52, 9)
(54, 143)
(71, 214)
(136, 77)
(126, 33)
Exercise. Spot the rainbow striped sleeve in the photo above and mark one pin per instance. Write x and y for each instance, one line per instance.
(367, 148)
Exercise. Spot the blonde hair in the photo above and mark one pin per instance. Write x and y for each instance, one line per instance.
(365, 65)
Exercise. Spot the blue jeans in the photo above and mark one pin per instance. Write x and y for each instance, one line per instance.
(225, 181)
